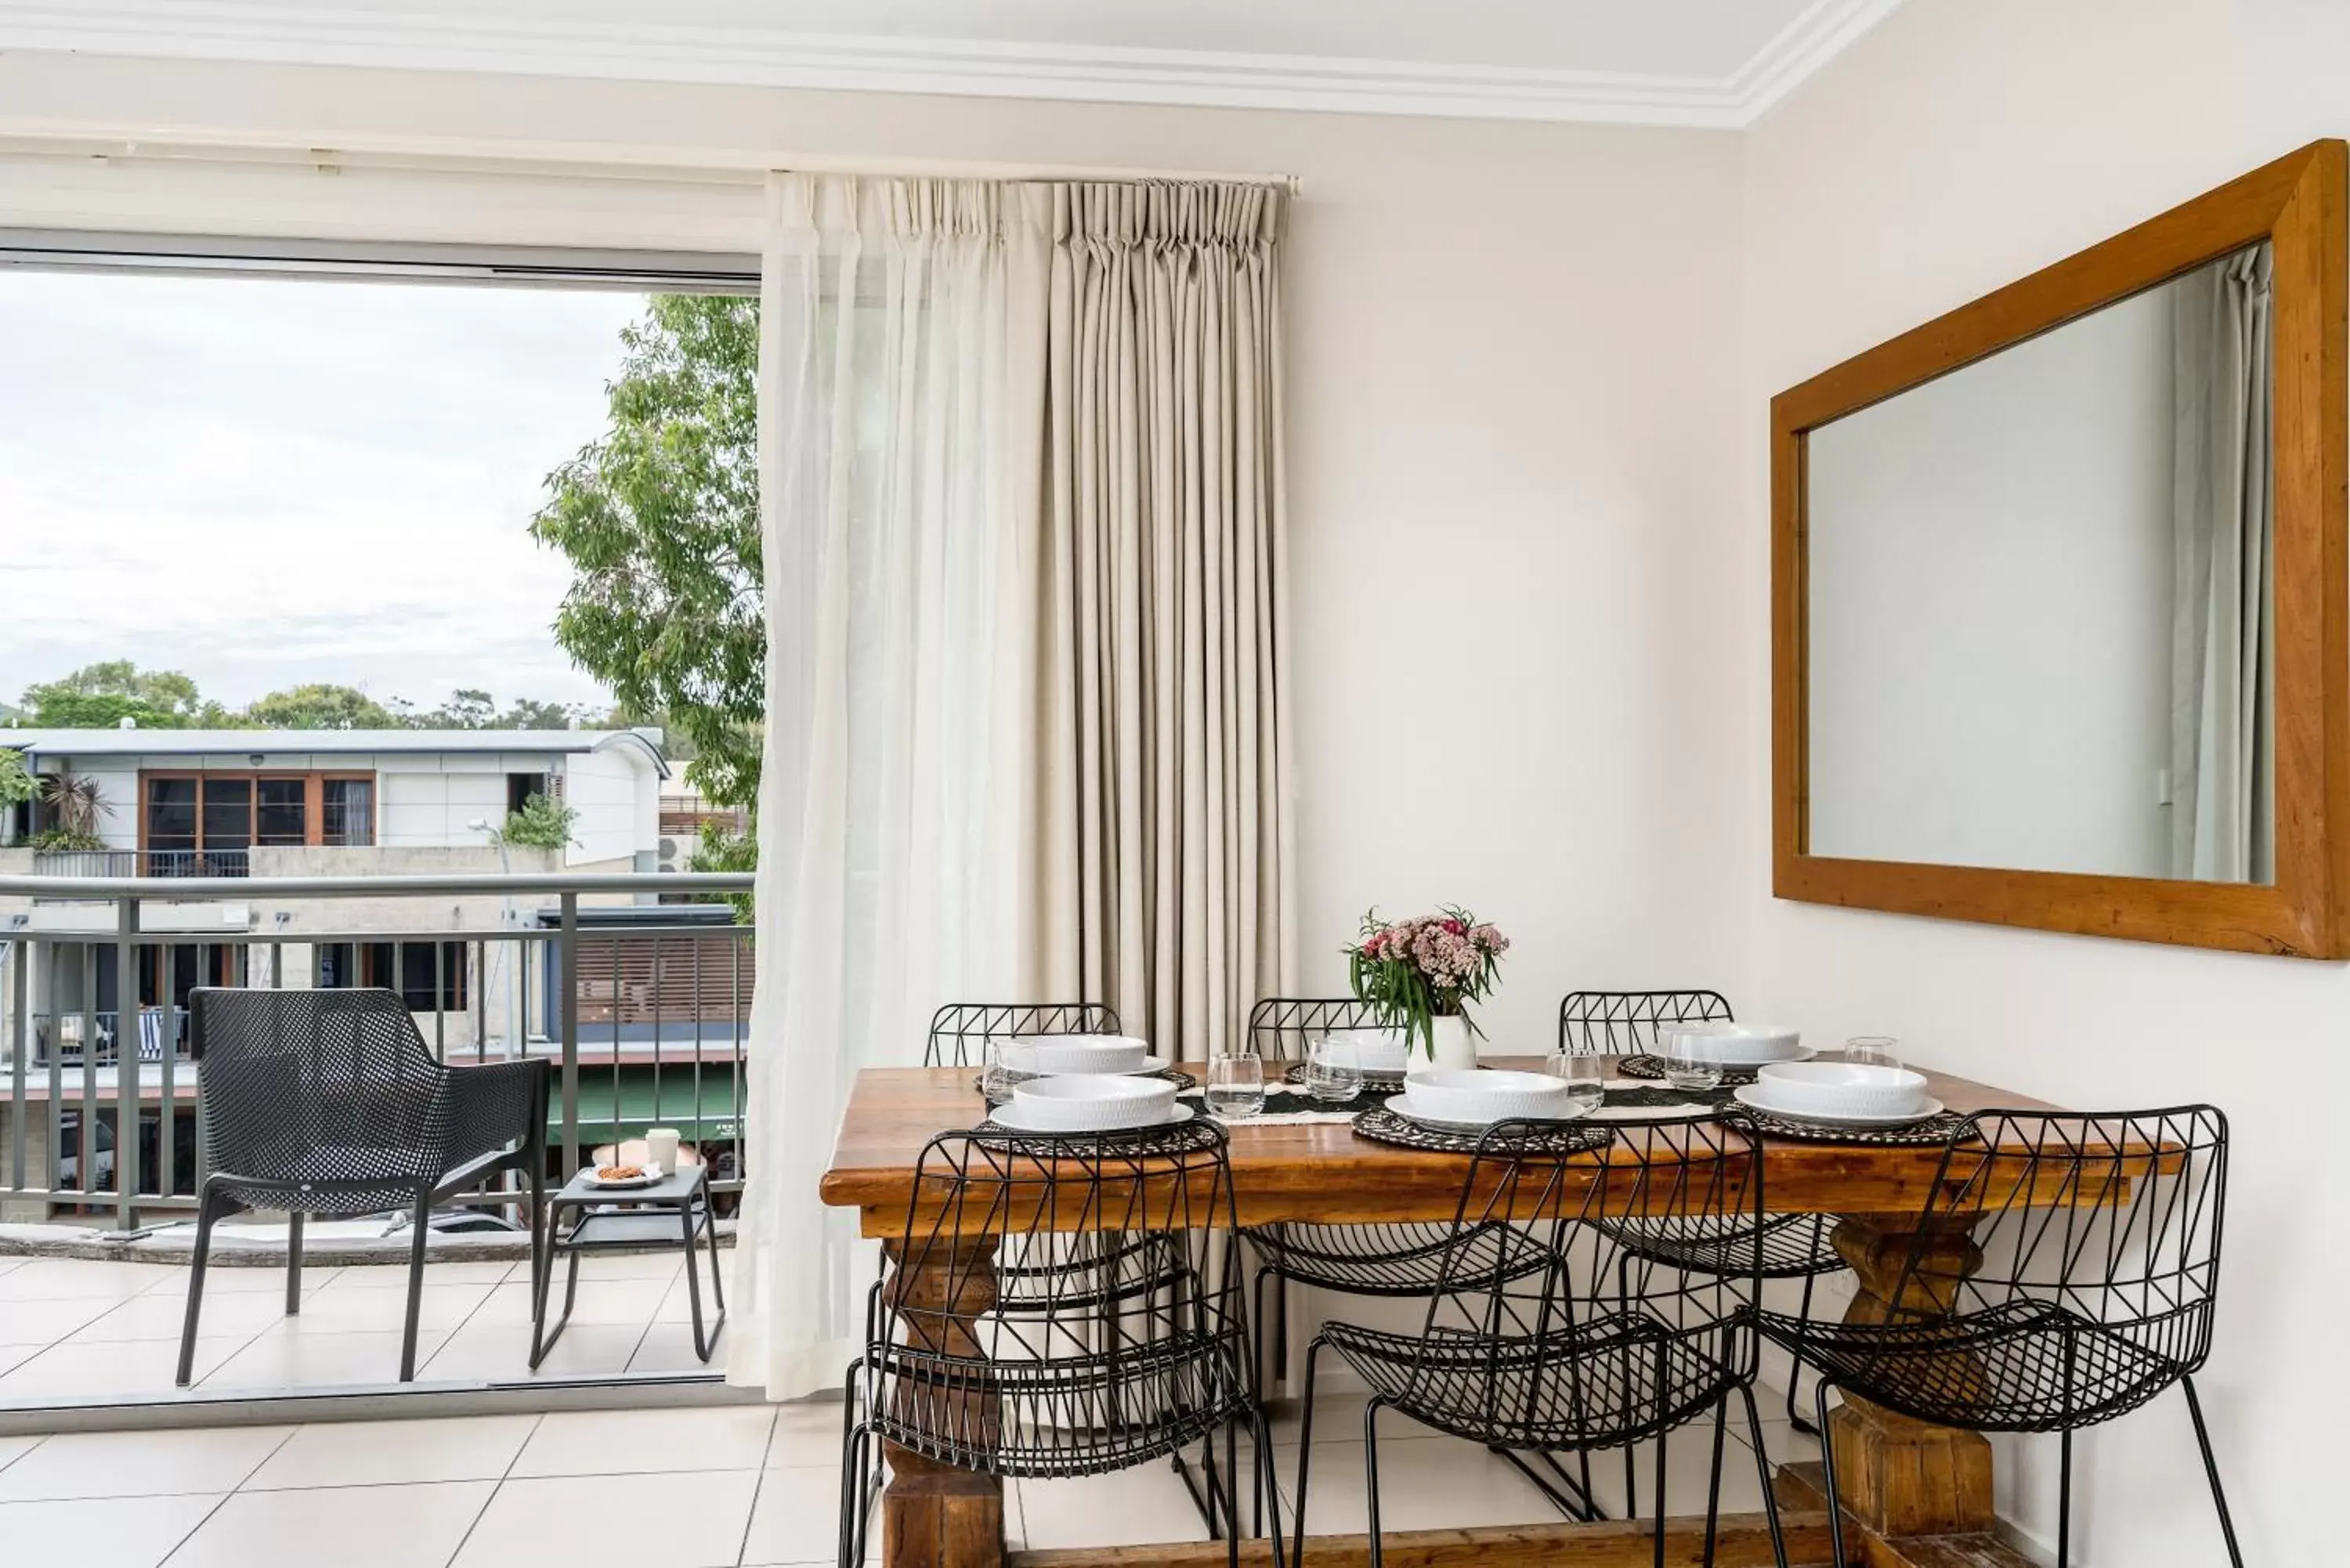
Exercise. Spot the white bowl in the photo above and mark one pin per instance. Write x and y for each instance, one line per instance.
(1842, 1089)
(1483, 1094)
(1375, 1050)
(1077, 1054)
(1745, 1045)
(1091, 1103)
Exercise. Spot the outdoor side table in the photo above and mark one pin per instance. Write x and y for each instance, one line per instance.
(625, 1219)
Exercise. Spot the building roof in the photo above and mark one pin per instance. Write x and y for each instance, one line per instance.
(214, 743)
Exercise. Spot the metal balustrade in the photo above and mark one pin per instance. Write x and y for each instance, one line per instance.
(642, 1002)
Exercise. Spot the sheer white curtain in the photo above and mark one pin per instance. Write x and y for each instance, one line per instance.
(899, 721)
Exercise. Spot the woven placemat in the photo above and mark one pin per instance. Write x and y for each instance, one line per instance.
(1381, 1125)
(1933, 1132)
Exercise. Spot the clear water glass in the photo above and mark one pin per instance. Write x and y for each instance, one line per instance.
(1873, 1050)
(1693, 1057)
(996, 1073)
(1236, 1086)
(1332, 1073)
(1585, 1075)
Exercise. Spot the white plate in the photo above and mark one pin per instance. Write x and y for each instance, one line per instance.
(1008, 1116)
(1742, 1046)
(1400, 1104)
(1747, 1094)
(652, 1178)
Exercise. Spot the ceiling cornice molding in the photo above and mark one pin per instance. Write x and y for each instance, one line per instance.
(325, 36)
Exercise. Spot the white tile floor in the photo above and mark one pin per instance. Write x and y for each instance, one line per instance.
(75, 1330)
(702, 1488)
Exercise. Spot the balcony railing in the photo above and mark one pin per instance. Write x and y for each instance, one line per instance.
(642, 1007)
(173, 863)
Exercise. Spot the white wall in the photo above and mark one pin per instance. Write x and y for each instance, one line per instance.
(1961, 144)
(612, 791)
(1990, 608)
(1506, 346)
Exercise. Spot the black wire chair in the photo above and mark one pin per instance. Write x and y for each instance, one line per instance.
(993, 1358)
(1546, 1367)
(327, 1101)
(1794, 1246)
(959, 1027)
(2087, 1290)
(1398, 1260)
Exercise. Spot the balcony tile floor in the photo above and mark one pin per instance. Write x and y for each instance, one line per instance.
(77, 1330)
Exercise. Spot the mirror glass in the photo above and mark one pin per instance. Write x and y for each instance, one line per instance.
(2039, 600)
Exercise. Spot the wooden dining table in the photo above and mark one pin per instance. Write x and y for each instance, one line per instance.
(1913, 1494)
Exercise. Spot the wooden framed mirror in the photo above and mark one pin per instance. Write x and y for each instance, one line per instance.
(2060, 596)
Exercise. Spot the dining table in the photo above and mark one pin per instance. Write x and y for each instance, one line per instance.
(1913, 1494)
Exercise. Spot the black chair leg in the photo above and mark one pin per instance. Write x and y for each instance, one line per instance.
(2065, 1498)
(207, 1208)
(1762, 1466)
(1713, 1485)
(1370, 1483)
(2212, 1472)
(1796, 1367)
(1631, 1449)
(294, 1262)
(1304, 1449)
(1827, 1468)
(1231, 1493)
(1660, 1495)
(423, 1221)
(1261, 1434)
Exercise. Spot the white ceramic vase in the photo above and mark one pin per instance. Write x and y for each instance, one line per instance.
(1455, 1046)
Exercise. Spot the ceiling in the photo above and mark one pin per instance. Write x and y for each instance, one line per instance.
(1681, 62)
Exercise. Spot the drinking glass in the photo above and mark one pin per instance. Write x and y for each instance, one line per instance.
(1693, 1057)
(1236, 1086)
(1332, 1075)
(997, 1073)
(1873, 1050)
(1585, 1075)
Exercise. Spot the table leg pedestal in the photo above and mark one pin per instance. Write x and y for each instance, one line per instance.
(1907, 1483)
(935, 1515)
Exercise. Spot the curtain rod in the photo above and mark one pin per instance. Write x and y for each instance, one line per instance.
(608, 160)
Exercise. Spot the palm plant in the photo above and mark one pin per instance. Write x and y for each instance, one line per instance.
(74, 806)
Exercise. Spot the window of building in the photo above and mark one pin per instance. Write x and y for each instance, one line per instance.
(415, 970)
(520, 787)
(184, 816)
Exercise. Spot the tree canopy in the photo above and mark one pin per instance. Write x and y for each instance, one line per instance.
(659, 519)
(101, 695)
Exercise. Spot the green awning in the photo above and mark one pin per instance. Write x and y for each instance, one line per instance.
(702, 1109)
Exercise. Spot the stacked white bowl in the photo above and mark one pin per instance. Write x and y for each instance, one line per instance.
(1092, 1102)
(1842, 1089)
(1080, 1053)
(1484, 1095)
(1729, 1045)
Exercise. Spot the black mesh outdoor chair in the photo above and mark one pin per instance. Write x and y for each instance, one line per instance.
(1546, 1366)
(1405, 1259)
(327, 1101)
(1794, 1246)
(993, 1359)
(2087, 1289)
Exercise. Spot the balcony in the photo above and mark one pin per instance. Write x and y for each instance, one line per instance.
(156, 863)
(640, 1008)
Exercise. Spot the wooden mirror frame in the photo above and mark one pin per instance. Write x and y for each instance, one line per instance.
(2297, 203)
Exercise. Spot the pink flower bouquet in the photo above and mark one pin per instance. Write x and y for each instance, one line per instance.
(1414, 972)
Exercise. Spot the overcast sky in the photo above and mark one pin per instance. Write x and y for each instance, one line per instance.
(269, 482)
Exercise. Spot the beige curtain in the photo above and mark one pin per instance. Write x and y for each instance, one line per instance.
(1164, 799)
(2222, 689)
